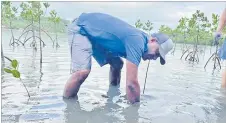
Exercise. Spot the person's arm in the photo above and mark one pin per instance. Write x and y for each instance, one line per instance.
(134, 48)
(132, 84)
(222, 21)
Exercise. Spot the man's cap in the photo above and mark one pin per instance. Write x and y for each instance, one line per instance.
(166, 44)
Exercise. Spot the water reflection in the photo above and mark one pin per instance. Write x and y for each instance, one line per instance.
(111, 112)
(221, 109)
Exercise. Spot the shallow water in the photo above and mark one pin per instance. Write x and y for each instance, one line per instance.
(176, 92)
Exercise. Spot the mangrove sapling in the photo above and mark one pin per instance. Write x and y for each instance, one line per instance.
(138, 24)
(215, 58)
(205, 33)
(148, 26)
(215, 21)
(9, 14)
(175, 44)
(40, 12)
(29, 13)
(13, 69)
(183, 27)
(32, 12)
(198, 24)
(188, 49)
(175, 36)
(55, 20)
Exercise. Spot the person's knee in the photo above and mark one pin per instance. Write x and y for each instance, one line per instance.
(81, 75)
(74, 83)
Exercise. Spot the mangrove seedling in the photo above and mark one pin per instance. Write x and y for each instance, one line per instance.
(148, 26)
(8, 15)
(13, 69)
(55, 20)
(198, 25)
(138, 24)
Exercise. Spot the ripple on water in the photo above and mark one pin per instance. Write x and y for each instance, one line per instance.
(176, 92)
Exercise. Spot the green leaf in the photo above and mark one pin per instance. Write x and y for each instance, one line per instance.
(7, 70)
(16, 73)
(14, 63)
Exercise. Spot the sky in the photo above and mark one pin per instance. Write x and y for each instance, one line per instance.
(159, 13)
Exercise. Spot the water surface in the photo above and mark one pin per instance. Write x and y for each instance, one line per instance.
(176, 92)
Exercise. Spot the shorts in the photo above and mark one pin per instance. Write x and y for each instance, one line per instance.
(82, 50)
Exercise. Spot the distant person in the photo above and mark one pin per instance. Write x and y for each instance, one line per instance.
(108, 38)
(222, 52)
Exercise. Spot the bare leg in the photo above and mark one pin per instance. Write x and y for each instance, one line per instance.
(115, 71)
(81, 61)
(74, 83)
(115, 76)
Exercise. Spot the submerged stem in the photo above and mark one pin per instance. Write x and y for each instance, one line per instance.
(25, 88)
(146, 76)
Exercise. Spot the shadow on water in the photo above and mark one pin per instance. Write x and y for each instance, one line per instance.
(107, 113)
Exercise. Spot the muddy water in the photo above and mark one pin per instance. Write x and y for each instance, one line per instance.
(176, 92)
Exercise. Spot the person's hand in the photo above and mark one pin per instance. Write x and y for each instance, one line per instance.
(217, 37)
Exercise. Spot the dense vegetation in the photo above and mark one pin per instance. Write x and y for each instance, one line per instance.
(20, 22)
(197, 29)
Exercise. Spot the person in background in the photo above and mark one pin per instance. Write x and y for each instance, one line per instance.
(222, 51)
(107, 39)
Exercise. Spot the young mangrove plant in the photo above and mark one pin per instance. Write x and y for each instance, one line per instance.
(13, 69)
(31, 11)
(55, 20)
(148, 26)
(138, 24)
(198, 24)
(8, 15)
(215, 20)
(183, 27)
(214, 56)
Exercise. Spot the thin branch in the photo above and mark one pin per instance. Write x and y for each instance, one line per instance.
(47, 34)
(24, 33)
(184, 53)
(14, 43)
(25, 36)
(8, 58)
(25, 88)
(26, 27)
(40, 39)
(219, 62)
(146, 76)
(28, 39)
(19, 41)
(188, 55)
(208, 60)
(10, 41)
